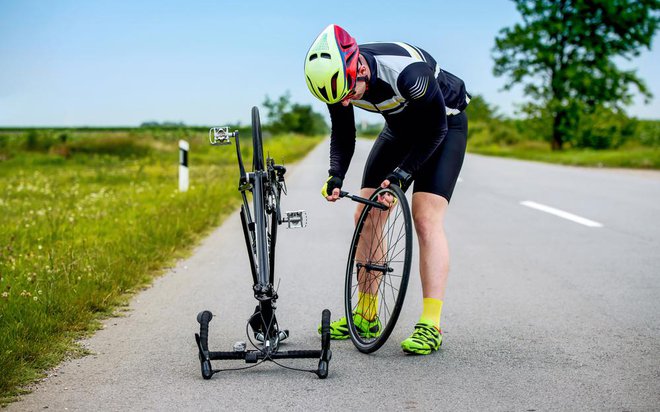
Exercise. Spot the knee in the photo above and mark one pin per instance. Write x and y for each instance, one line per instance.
(427, 226)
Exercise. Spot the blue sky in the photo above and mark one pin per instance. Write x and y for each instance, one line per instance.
(113, 63)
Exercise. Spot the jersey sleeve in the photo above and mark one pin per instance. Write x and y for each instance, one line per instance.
(342, 138)
(418, 85)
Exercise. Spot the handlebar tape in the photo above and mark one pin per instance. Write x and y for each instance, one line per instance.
(204, 318)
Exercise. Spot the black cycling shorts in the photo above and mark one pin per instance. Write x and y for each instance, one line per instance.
(437, 175)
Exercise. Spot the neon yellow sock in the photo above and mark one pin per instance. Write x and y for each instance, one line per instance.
(367, 305)
(432, 311)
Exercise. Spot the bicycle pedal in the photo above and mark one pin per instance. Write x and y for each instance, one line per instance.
(296, 219)
(239, 346)
(219, 136)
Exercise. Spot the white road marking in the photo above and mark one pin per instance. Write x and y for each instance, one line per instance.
(561, 213)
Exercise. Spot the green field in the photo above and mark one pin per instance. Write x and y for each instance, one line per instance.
(89, 218)
(637, 157)
(519, 139)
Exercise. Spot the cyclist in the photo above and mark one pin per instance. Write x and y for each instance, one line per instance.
(423, 140)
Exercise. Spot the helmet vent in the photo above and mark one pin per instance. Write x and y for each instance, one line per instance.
(323, 93)
(321, 44)
(333, 84)
(313, 57)
(326, 56)
(350, 57)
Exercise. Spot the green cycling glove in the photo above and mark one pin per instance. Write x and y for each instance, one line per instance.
(331, 184)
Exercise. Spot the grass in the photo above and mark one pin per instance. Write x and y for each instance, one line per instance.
(638, 157)
(92, 220)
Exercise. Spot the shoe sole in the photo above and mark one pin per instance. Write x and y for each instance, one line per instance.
(414, 351)
(418, 351)
(344, 337)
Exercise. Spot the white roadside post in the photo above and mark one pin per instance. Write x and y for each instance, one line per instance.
(183, 166)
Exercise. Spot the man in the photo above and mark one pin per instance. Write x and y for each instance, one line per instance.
(423, 140)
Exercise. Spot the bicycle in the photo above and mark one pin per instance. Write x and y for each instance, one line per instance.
(379, 262)
(266, 184)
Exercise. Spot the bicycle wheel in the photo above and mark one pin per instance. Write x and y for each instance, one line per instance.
(378, 267)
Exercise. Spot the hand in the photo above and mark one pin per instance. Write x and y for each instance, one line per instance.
(387, 199)
(398, 177)
(331, 188)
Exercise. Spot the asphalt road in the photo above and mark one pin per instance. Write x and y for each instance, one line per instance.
(542, 312)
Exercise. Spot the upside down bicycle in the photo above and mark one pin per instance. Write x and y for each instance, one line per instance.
(266, 184)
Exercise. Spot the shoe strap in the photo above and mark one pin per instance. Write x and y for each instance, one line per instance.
(425, 330)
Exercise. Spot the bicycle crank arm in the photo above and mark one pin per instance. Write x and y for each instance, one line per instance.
(363, 200)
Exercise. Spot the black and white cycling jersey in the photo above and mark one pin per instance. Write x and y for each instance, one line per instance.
(414, 95)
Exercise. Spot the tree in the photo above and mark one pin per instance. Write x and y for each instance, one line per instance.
(479, 110)
(284, 116)
(563, 53)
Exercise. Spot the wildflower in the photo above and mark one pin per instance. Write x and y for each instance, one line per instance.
(35, 298)
(40, 247)
(5, 295)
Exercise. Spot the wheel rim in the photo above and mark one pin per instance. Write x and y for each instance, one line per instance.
(379, 263)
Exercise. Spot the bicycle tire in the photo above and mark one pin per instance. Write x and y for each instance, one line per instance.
(259, 193)
(257, 143)
(389, 254)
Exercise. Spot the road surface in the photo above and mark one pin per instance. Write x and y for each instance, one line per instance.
(543, 311)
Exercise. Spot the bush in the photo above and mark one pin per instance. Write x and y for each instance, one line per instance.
(497, 132)
(505, 132)
(121, 146)
(603, 129)
(648, 133)
(39, 140)
(285, 117)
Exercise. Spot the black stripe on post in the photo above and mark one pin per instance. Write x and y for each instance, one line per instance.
(183, 157)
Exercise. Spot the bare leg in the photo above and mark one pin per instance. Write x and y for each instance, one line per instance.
(368, 248)
(428, 214)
